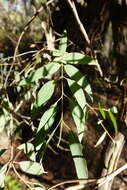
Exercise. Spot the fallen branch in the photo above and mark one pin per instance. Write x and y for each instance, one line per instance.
(98, 182)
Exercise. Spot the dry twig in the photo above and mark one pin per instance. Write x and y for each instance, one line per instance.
(19, 40)
(112, 156)
(98, 182)
(82, 29)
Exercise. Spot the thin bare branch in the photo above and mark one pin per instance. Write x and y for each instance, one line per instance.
(98, 182)
(19, 40)
(82, 29)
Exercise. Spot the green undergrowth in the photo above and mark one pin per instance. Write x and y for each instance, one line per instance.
(11, 183)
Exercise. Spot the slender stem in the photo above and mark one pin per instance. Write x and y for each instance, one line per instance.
(62, 89)
(82, 29)
(19, 55)
(21, 178)
(18, 43)
(91, 108)
(62, 95)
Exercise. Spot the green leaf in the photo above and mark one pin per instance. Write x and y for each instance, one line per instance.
(78, 157)
(77, 58)
(28, 149)
(88, 89)
(45, 71)
(63, 42)
(39, 187)
(113, 119)
(45, 93)
(114, 109)
(102, 112)
(79, 118)
(45, 124)
(30, 167)
(56, 53)
(75, 74)
(47, 116)
(57, 59)
(78, 93)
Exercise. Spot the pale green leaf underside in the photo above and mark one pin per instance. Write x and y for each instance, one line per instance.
(79, 118)
(76, 58)
(56, 53)
(45, 71)
(63, 43)
(30, 167)
(75, 74)
(114, 110)
(77, 92)
(45, 124)
(45, 93)
(47, 116)
(41, 135)
(39, 187)
(78, 157)
(28, 149)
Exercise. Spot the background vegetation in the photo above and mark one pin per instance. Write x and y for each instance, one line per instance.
(63, 100)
